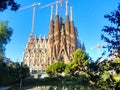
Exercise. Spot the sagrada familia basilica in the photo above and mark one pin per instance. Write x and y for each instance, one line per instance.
(60, 44)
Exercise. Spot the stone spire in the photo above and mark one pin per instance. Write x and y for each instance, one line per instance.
(66, 7)
(67, 17)
(73, 32)
(57, 16)
(51, 16)
(67, 28)
(51, 32)
(71, 17)
(56, 30)
(56, 8)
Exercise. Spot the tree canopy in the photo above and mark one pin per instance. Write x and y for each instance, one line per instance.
(111, 33)
(56, 67)
(12, 73)
(4, 4)
(5, 34)
(79, 63)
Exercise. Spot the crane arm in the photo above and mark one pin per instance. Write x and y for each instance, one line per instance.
(33, 15)
(49, 4)
(59, 1)
(25, 7)
(33, 5)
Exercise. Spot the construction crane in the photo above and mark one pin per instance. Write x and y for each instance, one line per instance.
(52, 3)
(34, 5)
(98, 46)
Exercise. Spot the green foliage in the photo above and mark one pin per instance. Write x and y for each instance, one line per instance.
(57, 67)
(117, 61)
(116, 77)
(109, 72)
(116, 65)
(84, 74)
(104, 66)
(24, 71)
(84, 78)
(112, 33)
(106, 73)
(5, 3)
(5, 71)
(5, 34)
(105, 76)
(110, 65)
(80, 61)
(79, 67)
(67, 69)
(79, 54)
(12, 73)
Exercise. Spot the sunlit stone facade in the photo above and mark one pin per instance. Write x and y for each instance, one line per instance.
(60, 44)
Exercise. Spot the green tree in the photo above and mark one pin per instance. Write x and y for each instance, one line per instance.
(5, 34)
(110, 65)
(80, 61)
(10, 74)
(4, 4)
(111, 33)
(56, 67)
(68, 68)
(109, 73)
(24, 71)
(115, 65)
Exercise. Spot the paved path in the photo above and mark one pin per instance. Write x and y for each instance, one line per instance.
(4, 88)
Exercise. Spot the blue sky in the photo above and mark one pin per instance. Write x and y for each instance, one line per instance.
(88, 17)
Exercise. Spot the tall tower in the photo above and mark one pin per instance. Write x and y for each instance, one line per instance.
(51, 33)
(57, 32)
(62, 37)
(73, 33)
(67, 29)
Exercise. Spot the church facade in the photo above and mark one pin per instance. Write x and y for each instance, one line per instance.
(60, 44)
